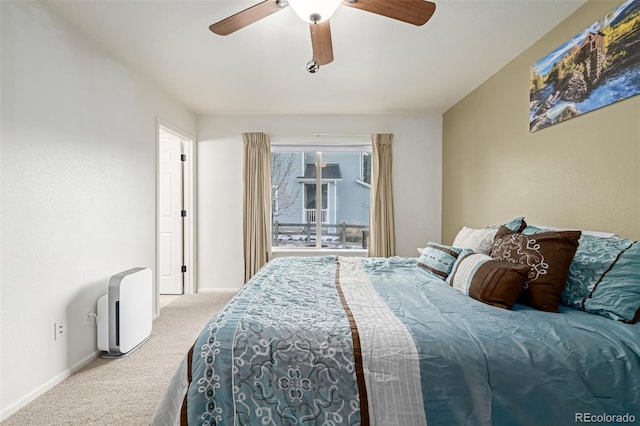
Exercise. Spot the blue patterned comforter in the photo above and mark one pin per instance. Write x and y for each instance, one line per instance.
(335, 341)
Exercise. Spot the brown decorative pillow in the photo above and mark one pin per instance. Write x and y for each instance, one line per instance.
(547, 254)
(489, 281)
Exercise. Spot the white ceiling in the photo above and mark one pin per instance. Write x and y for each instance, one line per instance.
(381, 65)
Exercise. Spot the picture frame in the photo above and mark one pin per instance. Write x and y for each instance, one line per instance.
(595, 68)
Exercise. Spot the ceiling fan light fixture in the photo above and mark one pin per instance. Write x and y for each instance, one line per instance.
(314, 11)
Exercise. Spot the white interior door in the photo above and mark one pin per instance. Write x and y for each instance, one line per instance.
(170, 220)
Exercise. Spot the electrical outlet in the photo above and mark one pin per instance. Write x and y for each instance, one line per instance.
(59, 330)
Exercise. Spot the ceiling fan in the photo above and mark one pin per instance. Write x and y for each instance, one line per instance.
(317, 14)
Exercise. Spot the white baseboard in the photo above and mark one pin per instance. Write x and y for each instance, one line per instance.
(31, 396)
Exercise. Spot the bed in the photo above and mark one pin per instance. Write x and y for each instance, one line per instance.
(345, 340)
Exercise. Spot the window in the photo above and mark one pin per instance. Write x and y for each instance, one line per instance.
(319, 201)
(365, 167)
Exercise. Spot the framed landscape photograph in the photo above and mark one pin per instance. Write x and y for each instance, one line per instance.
(595, 68)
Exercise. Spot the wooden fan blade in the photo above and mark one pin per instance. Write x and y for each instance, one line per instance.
(416, 12)
(321, 42)
(248, 16)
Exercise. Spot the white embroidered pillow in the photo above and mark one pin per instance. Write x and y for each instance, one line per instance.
(478, 240)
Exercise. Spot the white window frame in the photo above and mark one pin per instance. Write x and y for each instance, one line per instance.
(361, 181)
(318, 143)
(276, 201)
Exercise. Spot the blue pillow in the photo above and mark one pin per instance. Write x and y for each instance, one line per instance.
(438, 259)
(532, 229)
(516, 225)
(594, 257)
(617, 294)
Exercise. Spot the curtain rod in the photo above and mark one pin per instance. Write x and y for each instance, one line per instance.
(319, 134)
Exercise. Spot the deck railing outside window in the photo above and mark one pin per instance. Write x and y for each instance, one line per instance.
(334, 235)
(310, 215)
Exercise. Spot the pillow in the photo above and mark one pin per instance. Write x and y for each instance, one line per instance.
(594, 257)
(617, 298)
(617, 294)
(481, 240)
(517, 224)
(438, 259)
(547, 254)
(490, 281)
(533, 229)
(478, 240)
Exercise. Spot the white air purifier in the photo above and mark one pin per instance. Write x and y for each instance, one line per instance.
(125, 313)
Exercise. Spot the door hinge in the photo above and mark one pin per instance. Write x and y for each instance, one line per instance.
(183, 269)
(183, 157)
(183, 213)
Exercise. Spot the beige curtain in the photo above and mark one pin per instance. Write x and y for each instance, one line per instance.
(256, 202)
(382, 239)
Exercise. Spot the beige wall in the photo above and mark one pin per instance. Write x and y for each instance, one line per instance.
(584, 172)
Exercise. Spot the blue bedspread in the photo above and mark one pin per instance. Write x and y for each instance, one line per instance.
(282, 353)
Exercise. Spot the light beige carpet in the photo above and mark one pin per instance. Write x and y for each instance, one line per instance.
(126, 391)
